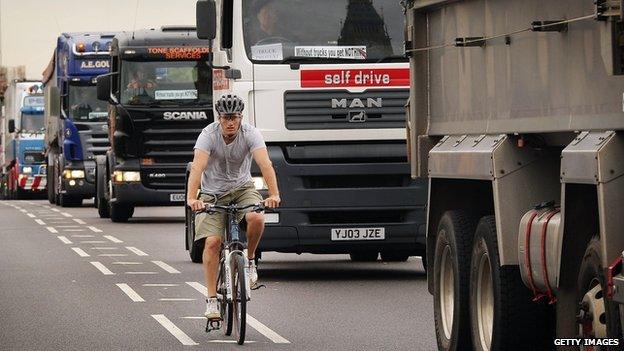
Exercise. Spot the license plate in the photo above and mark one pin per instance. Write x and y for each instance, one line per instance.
(176, 197)
(341, 234)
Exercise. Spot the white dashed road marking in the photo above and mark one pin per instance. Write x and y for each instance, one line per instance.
(31, 215)
(66, 214)
(40, 222)
(94, 229)
(173, 299)
(162, 286)
(136, 251)
(174, 330)
(79, 221)
(113, 255)
(166, 267)
(138, 273)
(102, 268)
(133, 295)
(128, 263)
(113, 239)
(64, 240)
(52, 230)
(80, 252)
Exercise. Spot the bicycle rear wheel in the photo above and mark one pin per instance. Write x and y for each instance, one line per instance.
(239, 298)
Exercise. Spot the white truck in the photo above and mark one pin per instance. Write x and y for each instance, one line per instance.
(516, 118)
(325, 82)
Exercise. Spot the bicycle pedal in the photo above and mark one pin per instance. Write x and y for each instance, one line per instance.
(256, 287)
(213, 324)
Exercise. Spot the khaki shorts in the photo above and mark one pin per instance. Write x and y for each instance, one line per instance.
(214, 224)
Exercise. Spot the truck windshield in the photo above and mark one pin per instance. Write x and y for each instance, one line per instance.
(166, 83)
(323, 30)
(32, 114)
(84, 105)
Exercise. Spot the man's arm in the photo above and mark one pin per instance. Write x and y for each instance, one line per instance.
(200, 161)
(261, 156)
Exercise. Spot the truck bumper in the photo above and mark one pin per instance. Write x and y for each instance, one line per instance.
(78, 188)
(137, 194)
(317, 198)
(36, 183)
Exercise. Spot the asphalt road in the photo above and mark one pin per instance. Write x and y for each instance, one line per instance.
(72, 281)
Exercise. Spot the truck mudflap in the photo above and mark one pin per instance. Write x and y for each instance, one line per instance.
(32, 183)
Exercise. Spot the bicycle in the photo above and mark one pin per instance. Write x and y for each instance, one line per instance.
(233, 288)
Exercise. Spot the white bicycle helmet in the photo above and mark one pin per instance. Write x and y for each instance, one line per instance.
(229, 104)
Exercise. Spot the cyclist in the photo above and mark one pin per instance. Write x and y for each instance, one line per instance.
(222, 160)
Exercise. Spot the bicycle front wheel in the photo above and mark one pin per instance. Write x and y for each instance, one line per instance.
(239, 298)
(226, 307)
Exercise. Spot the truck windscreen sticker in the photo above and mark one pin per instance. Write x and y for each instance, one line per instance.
(343, 52)
(179, 53)
(269, 52)
(190, 94)
(98, 115)
(334, 78)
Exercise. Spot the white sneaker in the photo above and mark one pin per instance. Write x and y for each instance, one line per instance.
(212, 309)
(252, 273)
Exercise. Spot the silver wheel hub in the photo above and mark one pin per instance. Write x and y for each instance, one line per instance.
(447, 292)
(485, 302)
(592, 319)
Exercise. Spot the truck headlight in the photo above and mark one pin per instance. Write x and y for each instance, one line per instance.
(26, 170)
(126, 176)
(73, 173)
(259, 183)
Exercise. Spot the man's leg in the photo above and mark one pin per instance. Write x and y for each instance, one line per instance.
(255, 228)
(211, 263)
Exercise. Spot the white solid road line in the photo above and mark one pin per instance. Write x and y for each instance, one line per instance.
(68, 226)
(80, 252)
(79, 221)
(181, 299)
(64, 239)
(66, 214)
(128, 263)
(73, 230)
(31, 215)
(82, 236)
(93, 242)
(102, 268)
(174, 330)
(131, 293)
(113, 239)
(94, 229)
(136, 251)
(113, 255)
(105, 248)
(166, 267)
(141, 273)
(40, 222)
(162, 286)
(254, 323)
(227, 341)
(52, 230)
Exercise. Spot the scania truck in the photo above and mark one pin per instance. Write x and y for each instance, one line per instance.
(76, 130)
(23, 167)
(326, 83)
(516, 118)
(160, 98)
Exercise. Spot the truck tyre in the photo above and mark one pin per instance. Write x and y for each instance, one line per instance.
(502, 313)
(50, 179)
(101, 201)
(364, 256)
(451, 273)
(120, 212)
(394, 256)
(195, 247)
(598, 317)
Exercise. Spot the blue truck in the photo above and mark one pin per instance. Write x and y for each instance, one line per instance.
(23, 163)
(76, 130)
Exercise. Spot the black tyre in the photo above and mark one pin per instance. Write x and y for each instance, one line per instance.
(598, 316)
(239, 298)
(394, 256)
(451, 274)
(502, 313)
(101, 198)
(364, 256)
(50, 185)
(120, 212)
(226, 307)
(195, 247)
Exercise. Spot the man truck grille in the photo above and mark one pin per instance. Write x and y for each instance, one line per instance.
(340, 109)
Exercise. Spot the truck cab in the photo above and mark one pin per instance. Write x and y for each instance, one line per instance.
(76, 130)
(160, 98)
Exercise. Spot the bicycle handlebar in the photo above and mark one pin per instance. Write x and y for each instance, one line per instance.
(259, 207)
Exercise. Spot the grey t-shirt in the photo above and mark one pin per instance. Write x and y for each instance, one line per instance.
(229, 165)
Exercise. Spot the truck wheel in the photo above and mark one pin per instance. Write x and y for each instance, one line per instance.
(451, 272)
(394, 256)
(364, 256)
(597, 316)
(101, 201)
(195, 247)
(503, 315)
(120, 212)
(50, 179)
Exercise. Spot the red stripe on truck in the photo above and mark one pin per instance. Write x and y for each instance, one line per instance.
(356, 77)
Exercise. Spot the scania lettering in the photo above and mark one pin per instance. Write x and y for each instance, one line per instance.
(76, 130)
(23, 168)
(160, 98)
(521, 135)
(325, 82)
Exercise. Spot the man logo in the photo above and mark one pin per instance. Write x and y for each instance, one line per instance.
(345, 103)
(185, 115)
(357, 116)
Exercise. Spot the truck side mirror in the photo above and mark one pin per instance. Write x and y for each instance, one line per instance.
(206, 17)
(104, 87)
(11, 125)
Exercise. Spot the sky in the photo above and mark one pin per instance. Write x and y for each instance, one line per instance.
(29, 28)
